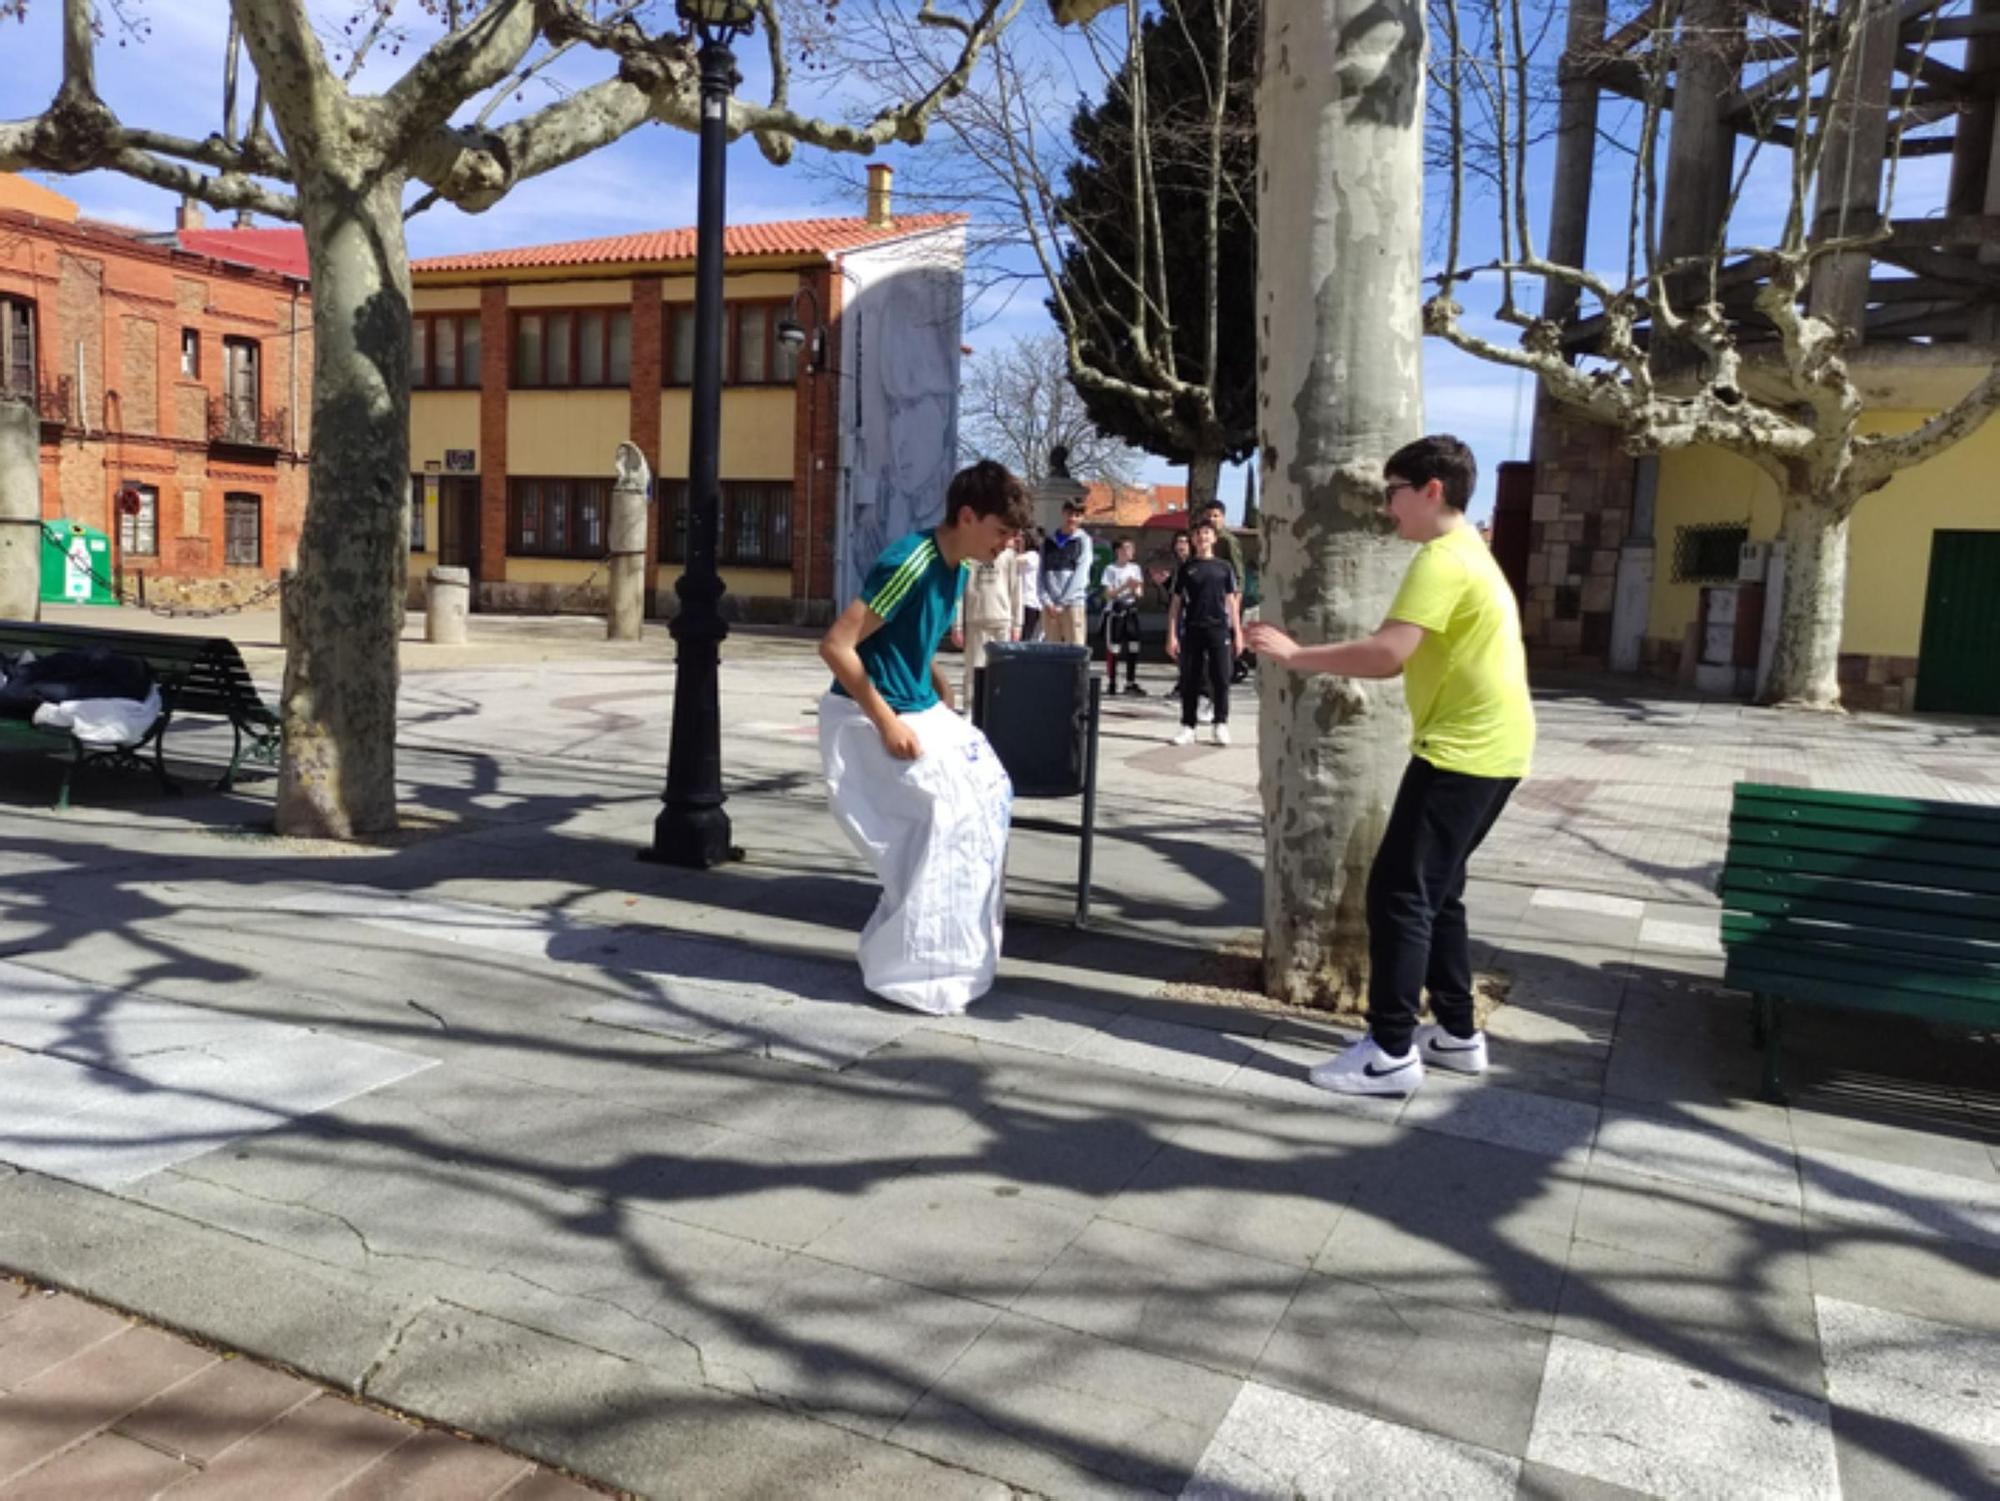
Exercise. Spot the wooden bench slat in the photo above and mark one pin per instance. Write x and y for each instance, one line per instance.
(1873, 813)
(1796, 801)
(1917, 950)
(1917, 876)
(1930, 829)
(1864, 971)
(1935, 1008)
(1780, 878)
(1980, 855)
(1865, 906)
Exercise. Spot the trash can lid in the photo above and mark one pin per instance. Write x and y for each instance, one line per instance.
(1053, 651)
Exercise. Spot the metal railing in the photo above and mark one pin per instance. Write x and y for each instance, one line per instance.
(246, 425)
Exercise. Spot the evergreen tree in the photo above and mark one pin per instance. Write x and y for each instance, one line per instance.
(1157, 281)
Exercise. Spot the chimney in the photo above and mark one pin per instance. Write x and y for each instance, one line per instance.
(880, 176)
(245, 219)
(188, 215)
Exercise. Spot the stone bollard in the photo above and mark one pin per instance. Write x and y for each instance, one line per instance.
(286, 578)
(625, 608)
(20, 512)
(447, 598)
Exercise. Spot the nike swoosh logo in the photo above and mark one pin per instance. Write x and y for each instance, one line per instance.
(1382, 1073)
(1460, 1047)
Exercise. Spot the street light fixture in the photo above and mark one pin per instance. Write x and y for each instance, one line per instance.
(692, 829)
(795, 335)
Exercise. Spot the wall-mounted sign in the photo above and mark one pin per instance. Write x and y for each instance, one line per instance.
(432, 466)
(460, 460)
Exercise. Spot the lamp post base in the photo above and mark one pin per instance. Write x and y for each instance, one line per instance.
(692, 838)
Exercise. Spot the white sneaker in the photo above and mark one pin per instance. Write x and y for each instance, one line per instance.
(1204, 712)
(1457, 1055)
(1183, 736)
(1366, 1069)
(1221, 735)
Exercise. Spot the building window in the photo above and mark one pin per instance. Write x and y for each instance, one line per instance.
(444, 351)
(752, 353)
(573, 347)
(1708, 554)
(753, 531)
(416, 513)
(139, 530)
(753, 344)
(191, 353)
(239, 389)
(558, 518)
(242, 531)
(17, 346)
(604, 348)
(680, 345)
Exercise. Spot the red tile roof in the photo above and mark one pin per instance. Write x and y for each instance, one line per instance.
(280, 250)
(785, 237)
(1117, 505)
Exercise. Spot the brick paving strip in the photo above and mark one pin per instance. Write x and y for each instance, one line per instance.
(95, 1404)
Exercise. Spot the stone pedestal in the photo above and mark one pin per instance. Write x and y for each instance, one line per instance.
(447, 600)
(625, 608)
(20, 512)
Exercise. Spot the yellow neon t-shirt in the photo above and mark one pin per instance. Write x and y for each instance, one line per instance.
(1467, 684)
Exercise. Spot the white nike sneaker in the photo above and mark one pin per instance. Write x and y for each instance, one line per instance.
(1458, 1055)
(1183, 736)
(1220, 734)
(1366, 1069)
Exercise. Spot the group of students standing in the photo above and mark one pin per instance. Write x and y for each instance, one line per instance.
(1038, 589)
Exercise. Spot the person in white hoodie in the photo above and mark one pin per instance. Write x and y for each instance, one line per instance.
(989, 610)
(1028, 558)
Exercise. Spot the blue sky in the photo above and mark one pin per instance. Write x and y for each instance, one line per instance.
(170, 81)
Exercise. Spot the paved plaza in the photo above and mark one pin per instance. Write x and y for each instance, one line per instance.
(500, 1128)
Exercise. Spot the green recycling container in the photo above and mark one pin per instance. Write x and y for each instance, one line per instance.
(76, 565)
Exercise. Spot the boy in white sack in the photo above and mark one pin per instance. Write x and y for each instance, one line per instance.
(918, 789)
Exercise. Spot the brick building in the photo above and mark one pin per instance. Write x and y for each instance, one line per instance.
(1130, 505)
(530, 365)
(179, 375)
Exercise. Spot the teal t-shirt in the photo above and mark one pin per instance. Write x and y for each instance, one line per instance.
(915, 592)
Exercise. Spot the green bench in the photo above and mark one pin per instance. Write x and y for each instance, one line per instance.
(1883, 904)
(196, 675)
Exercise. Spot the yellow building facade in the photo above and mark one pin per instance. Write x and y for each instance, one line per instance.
(1910, 545)
(530, 366)
(1643, 564)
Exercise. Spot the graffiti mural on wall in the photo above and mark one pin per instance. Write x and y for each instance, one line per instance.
(906, 429)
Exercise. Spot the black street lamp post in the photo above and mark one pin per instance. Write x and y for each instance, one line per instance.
(692, 829)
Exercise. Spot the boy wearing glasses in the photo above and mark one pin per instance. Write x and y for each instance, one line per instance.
(1454, 633)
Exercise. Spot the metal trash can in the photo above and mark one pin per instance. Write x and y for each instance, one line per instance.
(1034, 706)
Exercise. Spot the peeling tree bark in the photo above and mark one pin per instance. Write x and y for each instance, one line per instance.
(20, 510)
(1805, 669)
(1340, 213)
(345, 606)
(1204, 480)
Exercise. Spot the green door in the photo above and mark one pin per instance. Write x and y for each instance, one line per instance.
(1958, 667)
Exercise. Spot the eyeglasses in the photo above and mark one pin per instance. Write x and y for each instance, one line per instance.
(1389, 491)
